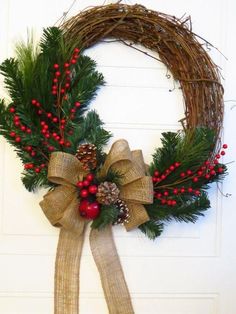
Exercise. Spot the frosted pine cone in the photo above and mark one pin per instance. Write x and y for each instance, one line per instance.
(87, 155)
(123, 216)
(108, 193)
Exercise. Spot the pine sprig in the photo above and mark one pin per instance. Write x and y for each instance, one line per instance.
(107, 216)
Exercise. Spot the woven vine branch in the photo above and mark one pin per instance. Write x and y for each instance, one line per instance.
(175, 43)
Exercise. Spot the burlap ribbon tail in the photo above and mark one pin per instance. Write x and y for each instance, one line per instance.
(61, 208)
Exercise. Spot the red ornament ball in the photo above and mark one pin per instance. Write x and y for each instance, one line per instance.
(89, 210)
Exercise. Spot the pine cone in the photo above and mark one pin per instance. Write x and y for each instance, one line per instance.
(123, 216)
(87, 155)
(108, 193)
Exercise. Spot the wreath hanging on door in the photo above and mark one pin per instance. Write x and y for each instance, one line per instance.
(61, 143)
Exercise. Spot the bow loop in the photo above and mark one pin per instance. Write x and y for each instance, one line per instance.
(64, 169)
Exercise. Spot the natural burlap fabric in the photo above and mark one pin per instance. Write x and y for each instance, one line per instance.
(61, 208)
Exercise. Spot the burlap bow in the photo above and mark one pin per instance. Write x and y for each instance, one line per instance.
(61, 208)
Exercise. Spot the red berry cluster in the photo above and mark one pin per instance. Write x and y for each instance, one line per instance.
(33, 167)
(208, 170)
(57, 88)
(157, 178)
(19, 125)
(89, 208)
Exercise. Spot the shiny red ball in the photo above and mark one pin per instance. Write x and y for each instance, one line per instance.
(93, 210)
(80, 184)
(89, 210)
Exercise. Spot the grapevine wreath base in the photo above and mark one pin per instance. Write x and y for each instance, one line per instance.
(62, 145)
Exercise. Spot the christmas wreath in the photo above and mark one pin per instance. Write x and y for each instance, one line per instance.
(61, 143)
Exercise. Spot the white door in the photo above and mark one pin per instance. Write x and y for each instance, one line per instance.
(190, 269)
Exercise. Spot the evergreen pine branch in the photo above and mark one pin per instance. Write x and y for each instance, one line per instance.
(152, 229)
(107, 216)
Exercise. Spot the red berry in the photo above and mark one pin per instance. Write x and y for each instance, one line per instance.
(172, 168)
(207, 162)
(84, 193)
(42, 123)
(42, 165)
(18, 139)
(49, 115)
(72, 116)
(55, 119)
(195, 179)
(86, 182)
(28, 131)
(76, 50)
(225, 146)
(16, 118)
(163, 201)
(169, 202)
(90, 177)
(51, 148)
(182, 190)
(222, 153)
(28, 148)
(77, 104)
(158, 195)
(189, 172)
(67, 85)
(73, 110)
(73, 61)
(33, 153)
(62, 91)
(17, 123)
(67, 72)
(190, 190)
(83, 207)
(40, 112)
(175, 191)
(80, 184)
(177, 164)
(173, 203)
(63, 121)
(61, 142)
(37, 170)
(12, 134)
(55, 80)
(93, 189)
(56, 66)
(167, 171)
(156, 173)
(154, 180)
(197, 193)
(218, 156)
(212, 172)
(166, 193)
(216, 161)
(12, 110)
(58, 73)
(199, 172)
(33, 101)
(182, 174)
(44, 131)
(54, 87)
(54, 92)
(68, 144)
(66, 65)
(207, 176)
